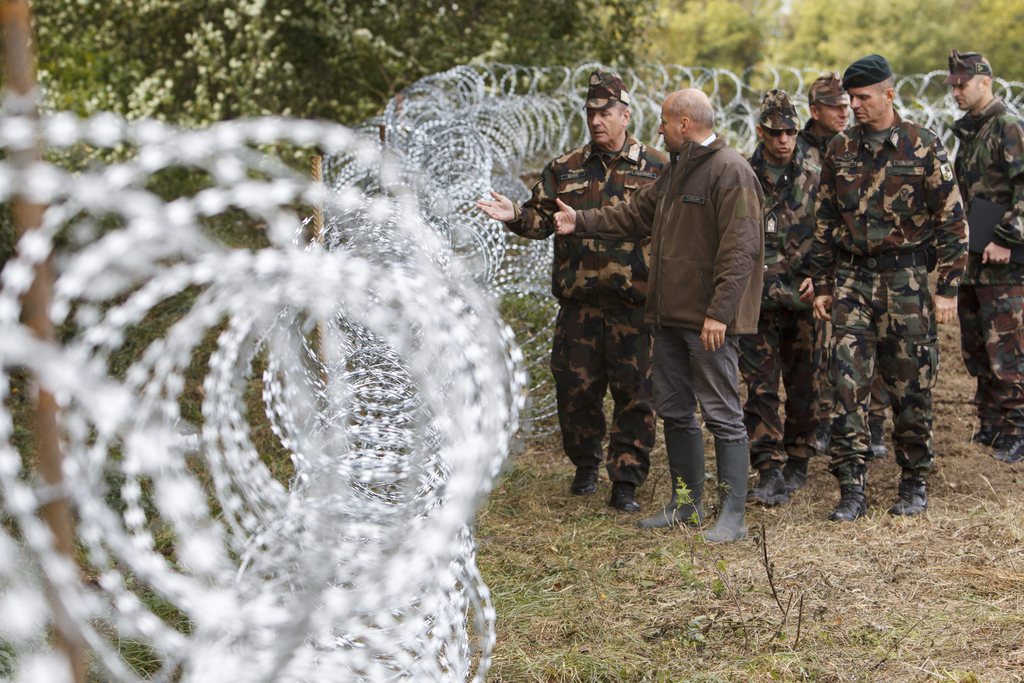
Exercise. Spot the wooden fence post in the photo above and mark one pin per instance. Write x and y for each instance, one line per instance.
(19, 62)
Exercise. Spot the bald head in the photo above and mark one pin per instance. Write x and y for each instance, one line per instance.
(686, 116)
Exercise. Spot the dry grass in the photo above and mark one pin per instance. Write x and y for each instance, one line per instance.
(582, 595)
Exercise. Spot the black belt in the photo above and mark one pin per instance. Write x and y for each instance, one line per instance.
(884, 261)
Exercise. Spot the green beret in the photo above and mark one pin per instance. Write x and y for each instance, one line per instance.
(866, 71)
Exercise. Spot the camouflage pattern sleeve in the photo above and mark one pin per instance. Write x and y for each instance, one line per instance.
(1010, 232)
(949, 224)
(826, 216)
(804, 196)
(630, 219)
(535, 219)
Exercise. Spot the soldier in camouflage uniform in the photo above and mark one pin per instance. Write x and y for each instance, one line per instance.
(888, 209)
(784, 343)
(601, 341)
(830, 106)
(990, 166)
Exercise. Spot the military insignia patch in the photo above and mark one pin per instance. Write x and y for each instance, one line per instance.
(895, 137)
(634, 153)
(771, 224)
(947, 171)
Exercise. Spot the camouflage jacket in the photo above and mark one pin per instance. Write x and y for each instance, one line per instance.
(901, 200)
(810, 144)
(788, 228)
(588, 269)
(990, 164)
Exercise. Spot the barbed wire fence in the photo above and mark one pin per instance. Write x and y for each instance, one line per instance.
(476, 128)
(194, 560)
(377, 361)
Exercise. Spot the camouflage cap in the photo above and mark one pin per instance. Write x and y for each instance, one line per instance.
(604, 89)
(963, 66)
(777, 112)
(828, 89)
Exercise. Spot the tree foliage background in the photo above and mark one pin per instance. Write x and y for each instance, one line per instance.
(197, 61)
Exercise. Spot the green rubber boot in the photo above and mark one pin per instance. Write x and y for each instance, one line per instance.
(732, 458)
(685, 462)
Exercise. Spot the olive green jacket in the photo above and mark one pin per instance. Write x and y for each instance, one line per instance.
(707, 244)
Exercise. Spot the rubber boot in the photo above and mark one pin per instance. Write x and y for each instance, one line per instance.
(732, 458)
(685, 462)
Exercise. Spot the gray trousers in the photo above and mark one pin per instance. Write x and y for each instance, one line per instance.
(685, 374)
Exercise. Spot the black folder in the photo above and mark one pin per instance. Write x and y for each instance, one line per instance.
(982, 220)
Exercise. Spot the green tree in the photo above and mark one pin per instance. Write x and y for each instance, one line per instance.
(732, 34)
(914, 35)
(196, 61)
(996, 29)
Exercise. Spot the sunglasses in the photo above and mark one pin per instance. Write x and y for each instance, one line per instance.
(779, 133)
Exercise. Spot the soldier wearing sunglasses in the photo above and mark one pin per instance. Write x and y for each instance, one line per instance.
(783, 346)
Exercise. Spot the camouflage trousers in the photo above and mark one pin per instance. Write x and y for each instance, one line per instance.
(782, 348)
(823, 382)
(882, 321)
(596, 350)
(992, 342)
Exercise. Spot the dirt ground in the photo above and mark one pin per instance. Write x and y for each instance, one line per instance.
(583, 595)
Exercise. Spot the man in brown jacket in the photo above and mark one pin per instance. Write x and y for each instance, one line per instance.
(707, 263)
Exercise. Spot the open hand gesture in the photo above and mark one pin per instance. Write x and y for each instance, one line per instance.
(500, 208)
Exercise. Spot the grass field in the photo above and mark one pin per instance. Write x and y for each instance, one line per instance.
(582, 595)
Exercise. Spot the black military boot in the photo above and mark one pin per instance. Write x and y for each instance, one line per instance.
(852, 503)
(795, 474)
(584, 482)
(732, 458)
(878, 448)
(771, 487)
(913, 498)
(987, 435)
(624, 497)
(686, 465)
(1010, 449)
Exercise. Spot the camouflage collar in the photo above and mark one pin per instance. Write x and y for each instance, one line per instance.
(970, 123)
(631, 151)
(809, 138)
(892, 139)
(760, 164)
